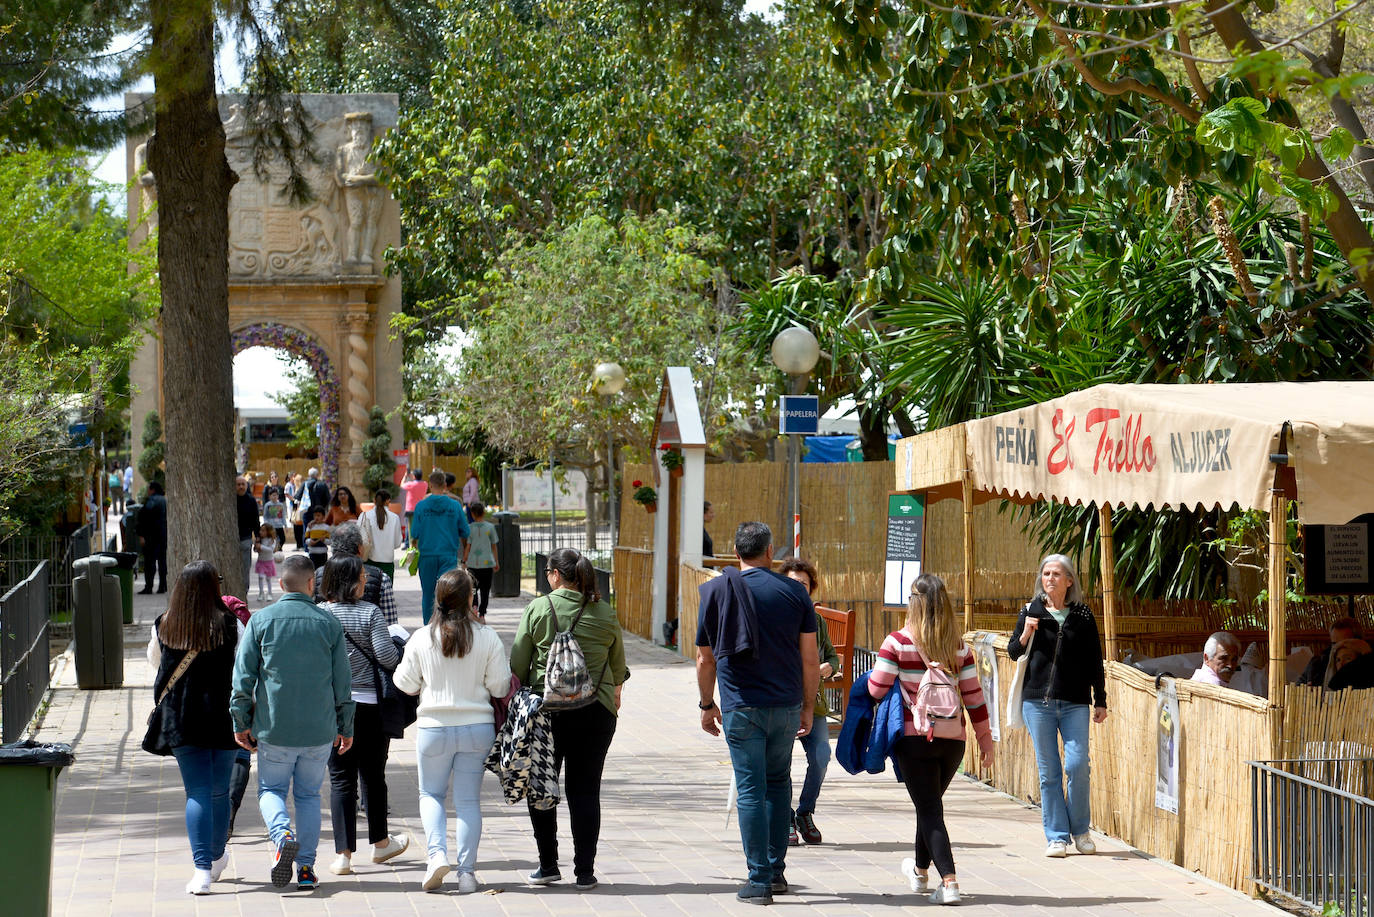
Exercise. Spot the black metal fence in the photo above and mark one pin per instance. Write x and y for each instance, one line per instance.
(1314, 832)
(21, 554)
(23, 651)
(541, 534)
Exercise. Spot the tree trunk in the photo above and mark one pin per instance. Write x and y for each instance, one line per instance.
(186, 155)
(1348, 230)
(873, 434)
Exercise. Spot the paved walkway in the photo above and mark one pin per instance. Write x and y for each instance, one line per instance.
(665, 847)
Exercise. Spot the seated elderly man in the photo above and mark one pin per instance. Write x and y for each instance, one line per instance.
(1220, 657)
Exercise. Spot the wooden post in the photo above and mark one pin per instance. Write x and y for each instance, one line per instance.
(1278, 594)
(1108, 551)
(970, 563)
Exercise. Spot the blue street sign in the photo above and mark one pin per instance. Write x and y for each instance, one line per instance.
(800, 414)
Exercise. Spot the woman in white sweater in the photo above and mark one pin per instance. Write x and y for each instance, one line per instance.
(456, 666)
(381, 531)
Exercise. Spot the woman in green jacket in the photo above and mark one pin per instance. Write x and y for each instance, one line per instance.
(815, 743)
(581, 736)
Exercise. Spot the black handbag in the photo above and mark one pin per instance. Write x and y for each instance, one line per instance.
(154, 740)
(397, 708)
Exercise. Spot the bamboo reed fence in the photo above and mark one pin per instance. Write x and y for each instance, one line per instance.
(1222, 729)
(634, 590)
(1328, 724)
(689, 580)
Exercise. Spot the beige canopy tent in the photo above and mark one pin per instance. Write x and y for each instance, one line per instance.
(1255, 446)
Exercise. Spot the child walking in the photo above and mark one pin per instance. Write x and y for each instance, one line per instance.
(266, 566)
(317, 536)
(481, 558)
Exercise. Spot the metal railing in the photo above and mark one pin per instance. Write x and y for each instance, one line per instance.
(1313, 831)
(23, 652)
(22, 553)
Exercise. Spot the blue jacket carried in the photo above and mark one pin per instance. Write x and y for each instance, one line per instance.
(870, 730)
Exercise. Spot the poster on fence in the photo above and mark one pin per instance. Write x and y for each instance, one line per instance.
(1168, 735)
(985, 657)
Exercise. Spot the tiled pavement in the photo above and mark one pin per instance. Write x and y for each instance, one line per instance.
(665, 846)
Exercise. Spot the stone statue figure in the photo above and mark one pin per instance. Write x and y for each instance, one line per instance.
(146, 183)
(362, 193)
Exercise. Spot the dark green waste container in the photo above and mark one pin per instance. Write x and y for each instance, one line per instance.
(97, 625)
(28, 797)
(126, 563)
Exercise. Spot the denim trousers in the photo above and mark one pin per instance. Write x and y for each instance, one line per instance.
(205, 777)
(432, 566)
(452, 757)
(1064, 800)
(760, 741)
(301, 771)
(816, 745)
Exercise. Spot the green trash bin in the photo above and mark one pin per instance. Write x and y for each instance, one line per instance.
(28, 797)
(124, 570)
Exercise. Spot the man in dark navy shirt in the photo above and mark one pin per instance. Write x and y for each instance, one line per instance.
(754, 629)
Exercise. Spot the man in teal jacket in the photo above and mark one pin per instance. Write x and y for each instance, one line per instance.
(292, 701)
(440, 532)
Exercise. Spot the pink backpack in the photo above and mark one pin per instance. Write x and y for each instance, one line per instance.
(938, 708)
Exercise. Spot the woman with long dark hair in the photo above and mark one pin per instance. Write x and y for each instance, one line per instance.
(195, 712)
(581, 736)
(1064, 674)
(456, 665)
(366, 635)
(343, 507)
(381, 531)
(930, 751)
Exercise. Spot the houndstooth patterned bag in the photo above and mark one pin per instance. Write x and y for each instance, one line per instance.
(522, 757)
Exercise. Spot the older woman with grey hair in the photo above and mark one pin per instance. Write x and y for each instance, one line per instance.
(346, 540)
(1065, 686)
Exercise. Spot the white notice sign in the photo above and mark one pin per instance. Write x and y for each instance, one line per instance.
(1347, 553)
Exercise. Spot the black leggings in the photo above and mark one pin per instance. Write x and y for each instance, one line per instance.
(927, 768)
(581, 739)
(366, 760)
(482, 575)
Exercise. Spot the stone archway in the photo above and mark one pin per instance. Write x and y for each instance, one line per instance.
(305, 275)
(300, 344)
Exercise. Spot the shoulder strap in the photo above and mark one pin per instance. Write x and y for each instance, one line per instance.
(366, 653)
(180, 671)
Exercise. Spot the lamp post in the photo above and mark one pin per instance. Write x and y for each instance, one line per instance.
(795, 351)
(608, 379)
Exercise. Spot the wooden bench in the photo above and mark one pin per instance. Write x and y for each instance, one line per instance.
(840, 625)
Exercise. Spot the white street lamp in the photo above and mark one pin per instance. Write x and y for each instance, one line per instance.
(795, 351)
(608, 379)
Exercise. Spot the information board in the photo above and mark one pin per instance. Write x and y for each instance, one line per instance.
(906, 524)
(1336, 557)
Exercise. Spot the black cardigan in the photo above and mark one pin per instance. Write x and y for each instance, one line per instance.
(196, 711)
(1079, 676)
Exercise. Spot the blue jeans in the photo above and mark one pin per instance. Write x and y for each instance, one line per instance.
(205, 776)
(760, 741)
(432, 566)
(452, 756)
(300, 769)
(1065, 814)
(816, 744)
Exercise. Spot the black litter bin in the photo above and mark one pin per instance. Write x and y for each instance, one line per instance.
(126, 564)
(506, 582)
(97, 624)
(28, 797)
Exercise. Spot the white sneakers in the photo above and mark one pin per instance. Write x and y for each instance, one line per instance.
(467, 883)
(342, 865)
(919, 884)
(434, 876)
(396, 847)
(1057, 850)
(217, 867)
(200, 883)
(1084, 843)
(945, 894)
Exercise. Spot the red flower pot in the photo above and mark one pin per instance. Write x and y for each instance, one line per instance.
(650, 507)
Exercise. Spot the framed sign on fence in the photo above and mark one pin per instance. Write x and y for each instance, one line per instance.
(906, 525)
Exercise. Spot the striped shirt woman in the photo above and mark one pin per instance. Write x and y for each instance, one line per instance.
(929, 763)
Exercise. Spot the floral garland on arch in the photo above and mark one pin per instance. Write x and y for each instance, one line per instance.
(300, 344)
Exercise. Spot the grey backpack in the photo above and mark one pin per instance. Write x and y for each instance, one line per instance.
(567, 683)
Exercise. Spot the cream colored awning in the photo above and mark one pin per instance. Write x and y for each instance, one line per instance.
(1171, 446)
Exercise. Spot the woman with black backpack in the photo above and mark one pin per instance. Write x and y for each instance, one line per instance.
(369, 644)
(582, 719)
